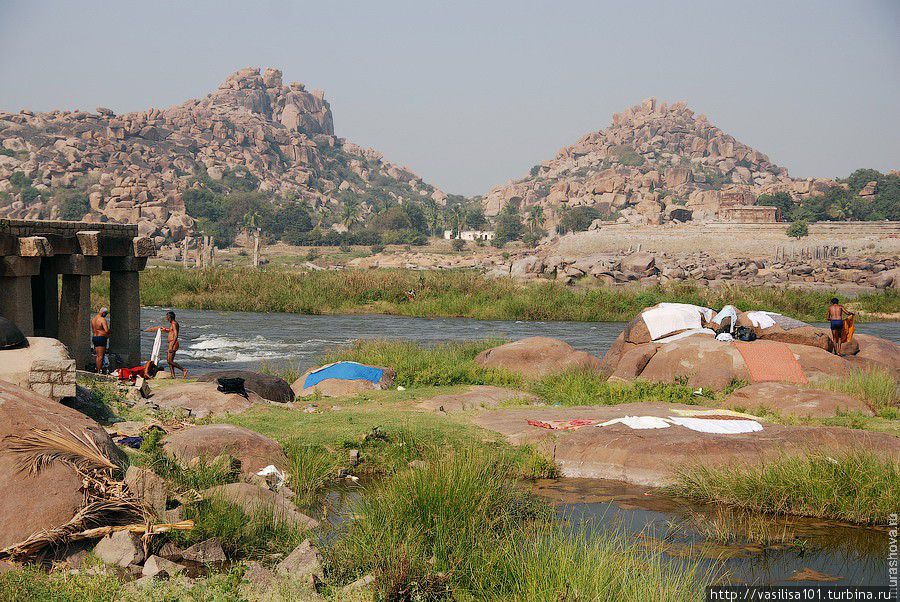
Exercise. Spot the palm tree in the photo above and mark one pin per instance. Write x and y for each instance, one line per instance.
(350, 212)
(458, 216)
(535, 218)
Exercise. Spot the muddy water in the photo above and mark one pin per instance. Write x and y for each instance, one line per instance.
(741, 547)
(215, 340)
(738, 547)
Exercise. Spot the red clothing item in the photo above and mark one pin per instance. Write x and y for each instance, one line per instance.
(132, 374)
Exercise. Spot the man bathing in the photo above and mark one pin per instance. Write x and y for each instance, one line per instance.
(173, 330)
(835, 316)
(100, 338)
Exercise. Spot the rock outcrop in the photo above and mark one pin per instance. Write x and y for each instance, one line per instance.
(266, 386)
(211, 441)
(33, 502)
(135, 167)
(201, 400)
(656, 163)
(791, 400)
(536, 357)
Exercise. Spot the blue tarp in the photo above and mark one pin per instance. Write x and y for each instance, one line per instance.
(344, 371)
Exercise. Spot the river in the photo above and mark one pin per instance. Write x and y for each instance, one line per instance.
(214, 340)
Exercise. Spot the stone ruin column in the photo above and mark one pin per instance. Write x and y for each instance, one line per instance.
(15, 291)
(75, 317)
(125, 307)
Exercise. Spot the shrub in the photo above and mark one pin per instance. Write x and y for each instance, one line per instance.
(458, 244)
(73, 205)
(798, 229)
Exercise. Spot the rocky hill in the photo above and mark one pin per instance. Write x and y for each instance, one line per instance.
(655, 163)
(136, 167)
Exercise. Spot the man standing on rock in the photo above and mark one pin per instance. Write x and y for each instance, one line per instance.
(173, 331)
(100, 338)
(835, 316)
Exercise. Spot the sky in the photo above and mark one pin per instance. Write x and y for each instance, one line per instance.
(472, 94)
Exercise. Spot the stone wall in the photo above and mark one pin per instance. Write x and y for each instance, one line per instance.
(52, 378)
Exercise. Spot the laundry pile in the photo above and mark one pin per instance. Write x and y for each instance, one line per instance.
(718, 422)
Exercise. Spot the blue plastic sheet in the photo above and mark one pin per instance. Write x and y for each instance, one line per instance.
(344, 371)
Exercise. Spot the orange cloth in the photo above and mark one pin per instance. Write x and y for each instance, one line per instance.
(771, 361)
(563, 425)
(848, 330)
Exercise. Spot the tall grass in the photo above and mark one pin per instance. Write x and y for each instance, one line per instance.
(460, 528)
(455, 293)
(257, 534)
(876, 386)
(580, 387)
(858, 487)
(440, 365)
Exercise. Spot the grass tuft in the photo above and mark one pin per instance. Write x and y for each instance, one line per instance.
(876, 386)
(858, 487)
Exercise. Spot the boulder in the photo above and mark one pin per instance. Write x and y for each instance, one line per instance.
(633, 361)
(804, 335)
(156, 566)
(653, 457)
(33, 502)
(121, 548)
(201, 400)
(614, 354)
(208, 551)
(339, 387)
(149, 488)
(252, 450)
(302, 562)
(266, 386)
(536, 357)
(639, 263)
(702, 360)
(636, 331)
(43, 365)
(474, 398)
(818, 363)
(253, 499)
(878, 352)
(792, 400)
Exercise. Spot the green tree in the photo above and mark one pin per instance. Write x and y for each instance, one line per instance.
(781, 200)
(798, 229)
(578, 219)
(73, 205)
(509, 224)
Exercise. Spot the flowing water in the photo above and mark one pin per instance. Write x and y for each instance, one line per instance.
(216, 340)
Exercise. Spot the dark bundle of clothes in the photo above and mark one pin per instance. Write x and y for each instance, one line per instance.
(232, 385)
(742, 333)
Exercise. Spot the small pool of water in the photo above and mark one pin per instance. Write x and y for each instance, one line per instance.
(744, 548)
(739, 547)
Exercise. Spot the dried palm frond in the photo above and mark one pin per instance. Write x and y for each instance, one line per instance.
(40, 448)
(95, 514)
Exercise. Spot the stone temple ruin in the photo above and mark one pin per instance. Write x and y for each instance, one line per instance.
(45, 282)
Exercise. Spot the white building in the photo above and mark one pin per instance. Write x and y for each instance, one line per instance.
(471, 235)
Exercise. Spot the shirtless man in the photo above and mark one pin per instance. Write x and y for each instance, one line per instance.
(835, 316)
(173, 331)
(100, 338)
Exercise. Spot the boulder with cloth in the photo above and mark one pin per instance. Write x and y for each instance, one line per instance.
(343, 378)
(672, 342)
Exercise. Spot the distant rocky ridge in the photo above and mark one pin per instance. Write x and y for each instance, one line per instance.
(135, 167)
(654, 160)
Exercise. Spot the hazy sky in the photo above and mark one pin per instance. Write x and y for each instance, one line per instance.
(471, 94)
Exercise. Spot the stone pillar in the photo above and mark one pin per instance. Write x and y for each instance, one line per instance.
(75, 318)
(15, 302)
(45, 301)
(125, 316)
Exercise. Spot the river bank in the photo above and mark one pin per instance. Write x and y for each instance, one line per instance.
(462, 294)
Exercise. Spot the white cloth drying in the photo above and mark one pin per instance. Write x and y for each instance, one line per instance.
(639, 422)
(157, 343)
(669, 317)
(724, 337)
(686, 334)
(760, 319)
(729, 311)
(722, 427)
